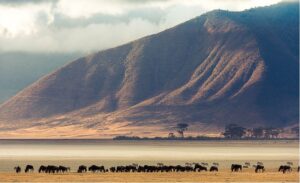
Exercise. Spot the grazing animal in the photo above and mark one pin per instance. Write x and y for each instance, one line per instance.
(51, 169)
(18, 169)
(236, 168)
(298, 168)
(214, 169)
(42, 169)
(95, 168)
(132, 168)
(285, 168)
(63, 169)
(259, 168)
(199, 168)
(82, 169)
(112, 169)
(29, 168)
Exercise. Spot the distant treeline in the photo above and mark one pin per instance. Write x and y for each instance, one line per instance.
(231, 132)
(195, 138)
(166, 138)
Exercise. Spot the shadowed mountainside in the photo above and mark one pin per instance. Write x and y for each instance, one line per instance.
(222, 67)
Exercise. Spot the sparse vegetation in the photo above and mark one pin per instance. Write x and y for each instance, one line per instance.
(231, 131)
(181, 127)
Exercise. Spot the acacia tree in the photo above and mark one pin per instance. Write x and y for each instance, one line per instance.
(234, 131)
(181, 128)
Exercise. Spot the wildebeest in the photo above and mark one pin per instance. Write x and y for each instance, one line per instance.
(95, 168)
(82, 169)
(17, 169)
(112, 169)
(259, 168)
(214, 169)
(51, 169)
(236, 168)
(29, 168)
(130, 168)
(63, 169)
(42, 169)
(285, 168)
(199, 168)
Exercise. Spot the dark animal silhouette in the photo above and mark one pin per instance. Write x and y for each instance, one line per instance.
(17, 169)
(112, 169)
(214, 169)
(29, 168)
(42, 169)
(298, 168)
(131, 168)
(285, 168)
(63, 169)
(82, 169)
(51, 169)
(199, 168)
(95, 168)
(236, 168)
(259, 168)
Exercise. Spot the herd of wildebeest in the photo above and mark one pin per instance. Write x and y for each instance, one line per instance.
(160, 167)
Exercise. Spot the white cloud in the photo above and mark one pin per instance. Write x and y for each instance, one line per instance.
(21, 20)
(31, 27)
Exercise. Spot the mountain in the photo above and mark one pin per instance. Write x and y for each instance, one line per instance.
(219, 68)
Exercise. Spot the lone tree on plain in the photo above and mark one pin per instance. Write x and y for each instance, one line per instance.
(181, 127)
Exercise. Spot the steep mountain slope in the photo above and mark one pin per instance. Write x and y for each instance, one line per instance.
(219, 68)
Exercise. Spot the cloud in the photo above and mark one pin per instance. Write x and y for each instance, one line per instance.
(84, 26)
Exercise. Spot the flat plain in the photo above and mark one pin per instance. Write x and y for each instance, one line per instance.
(221, 176)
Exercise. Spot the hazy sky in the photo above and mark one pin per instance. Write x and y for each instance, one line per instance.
(89, 25)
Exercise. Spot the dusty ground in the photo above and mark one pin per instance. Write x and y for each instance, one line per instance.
(224, 176)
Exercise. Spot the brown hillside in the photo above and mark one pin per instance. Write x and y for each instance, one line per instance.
(218, 68)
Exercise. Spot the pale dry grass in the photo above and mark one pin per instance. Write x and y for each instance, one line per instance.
(223, 176)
